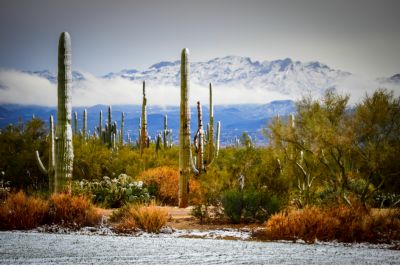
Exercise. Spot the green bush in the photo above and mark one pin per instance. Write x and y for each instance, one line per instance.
(259, 205)
(113, 193)
(232, 201)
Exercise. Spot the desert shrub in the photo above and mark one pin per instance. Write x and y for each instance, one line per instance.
(19, 211)
(72, 211)
(17, 162)
(163, 183)
(259, 205)
(134, 216)
(232, 201)
(342, 223)
(113, 193)
(250, 205)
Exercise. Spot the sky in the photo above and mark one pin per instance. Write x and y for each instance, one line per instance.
(359, 36)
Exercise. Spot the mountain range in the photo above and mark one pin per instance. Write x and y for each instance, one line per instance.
(286, 77)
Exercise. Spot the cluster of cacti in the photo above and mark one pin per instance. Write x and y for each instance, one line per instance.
(61, 143)
(206, 140)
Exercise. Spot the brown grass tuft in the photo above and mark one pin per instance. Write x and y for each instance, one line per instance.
(21, 212)
(73, 211)
(148, 218)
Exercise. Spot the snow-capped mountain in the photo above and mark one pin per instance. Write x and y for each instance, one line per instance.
(285, 76)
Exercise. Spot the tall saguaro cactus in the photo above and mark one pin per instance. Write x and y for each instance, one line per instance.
(210, 141)
(75, 123)
(84, 127)
(143, 132)
(100, 128)
(199, 139)
(121, 141)
(185, 155)
(63, 148)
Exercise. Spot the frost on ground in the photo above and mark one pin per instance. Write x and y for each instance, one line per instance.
(79, 248)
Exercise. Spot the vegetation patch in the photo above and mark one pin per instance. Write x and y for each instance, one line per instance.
(341, 223)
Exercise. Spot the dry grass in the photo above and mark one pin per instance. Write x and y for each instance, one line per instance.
(73, 211)
(148, 218)
(340, 223)
(21, 212)
(165, 180)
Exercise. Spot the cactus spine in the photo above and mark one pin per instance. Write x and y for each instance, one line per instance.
(185, 156)
(64, 154)
(84, 127)
(143, 132)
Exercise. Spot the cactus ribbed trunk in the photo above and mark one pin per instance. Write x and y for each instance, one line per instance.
(75, 123)
(165, 132)
(210, 142)
(63, 136)
(100, 128)
(121, 141)
(84, 127)
(200, 139)
(185, 160)
(143, 133)
(109, 127)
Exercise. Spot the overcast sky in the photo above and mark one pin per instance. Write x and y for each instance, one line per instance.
(360, 36)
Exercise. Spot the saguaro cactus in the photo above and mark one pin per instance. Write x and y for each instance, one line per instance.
(75, 123)
(84, 127)
(185, 156)
(199, 139)
(166, 134)
(121, 141)
(109, 127)
(210, 141)
(63, 148)
(50, 170)
(100, 128)
(143, 134)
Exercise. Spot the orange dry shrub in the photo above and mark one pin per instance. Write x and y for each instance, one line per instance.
(164, 183)
(148, 218)
(73, 211)
(342, 223)
(21, 212)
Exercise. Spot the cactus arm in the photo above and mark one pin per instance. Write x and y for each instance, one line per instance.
(40, 163)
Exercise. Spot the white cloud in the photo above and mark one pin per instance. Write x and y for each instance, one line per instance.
(22, 88)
